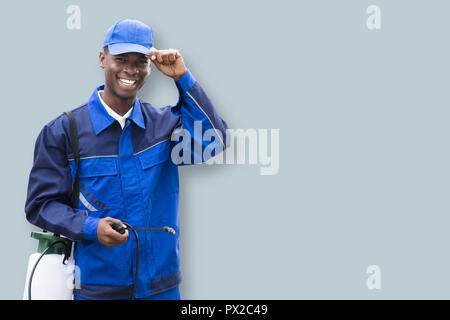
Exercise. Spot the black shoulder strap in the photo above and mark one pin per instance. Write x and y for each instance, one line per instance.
(76, 156)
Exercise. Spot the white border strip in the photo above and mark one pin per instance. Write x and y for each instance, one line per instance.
(92, 157)
(86, 203)
(150, 147)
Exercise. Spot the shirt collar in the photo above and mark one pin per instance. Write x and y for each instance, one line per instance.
(101, 119)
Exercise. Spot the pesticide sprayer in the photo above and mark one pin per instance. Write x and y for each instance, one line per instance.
(50, 274)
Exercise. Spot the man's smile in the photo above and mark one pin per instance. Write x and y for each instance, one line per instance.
(128, 83)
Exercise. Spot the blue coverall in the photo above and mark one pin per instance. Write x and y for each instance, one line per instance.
(126, 174)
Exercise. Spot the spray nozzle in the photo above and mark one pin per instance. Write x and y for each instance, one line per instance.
(121, 229)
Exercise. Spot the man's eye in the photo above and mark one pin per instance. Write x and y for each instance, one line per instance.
(142, 63)
(120, 59)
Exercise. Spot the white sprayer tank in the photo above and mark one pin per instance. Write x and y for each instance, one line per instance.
(52, 280)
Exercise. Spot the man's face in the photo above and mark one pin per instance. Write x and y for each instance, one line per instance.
(125, 73)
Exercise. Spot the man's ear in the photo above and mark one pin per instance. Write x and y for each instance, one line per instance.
(101, 58)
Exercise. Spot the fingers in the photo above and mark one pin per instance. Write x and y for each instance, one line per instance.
(116, 236)
(166, 57)
(108, 236)
(152, 54)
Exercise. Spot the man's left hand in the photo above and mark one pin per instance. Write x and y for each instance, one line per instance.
(169, 62)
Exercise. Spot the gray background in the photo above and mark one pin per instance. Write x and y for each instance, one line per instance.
(364, 175)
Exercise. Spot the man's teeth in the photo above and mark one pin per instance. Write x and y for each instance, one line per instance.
(127, 82)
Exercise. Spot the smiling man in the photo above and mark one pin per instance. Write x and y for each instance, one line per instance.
(126, 174)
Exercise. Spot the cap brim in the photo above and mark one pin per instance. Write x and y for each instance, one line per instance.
(120, 48)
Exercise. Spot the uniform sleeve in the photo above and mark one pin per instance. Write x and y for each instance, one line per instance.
(49, 188)
(199, 121)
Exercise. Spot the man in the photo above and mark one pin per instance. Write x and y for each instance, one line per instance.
(126, 171)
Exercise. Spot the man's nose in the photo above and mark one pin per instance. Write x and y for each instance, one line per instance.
(130, 68)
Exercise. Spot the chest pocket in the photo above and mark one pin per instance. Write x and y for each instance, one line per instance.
(98, 167)
(157, 169)
(100, 182)
(155, 155)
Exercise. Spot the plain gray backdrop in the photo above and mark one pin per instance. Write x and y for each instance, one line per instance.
(363, 118)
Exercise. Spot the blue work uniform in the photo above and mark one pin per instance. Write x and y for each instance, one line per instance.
(127, 174)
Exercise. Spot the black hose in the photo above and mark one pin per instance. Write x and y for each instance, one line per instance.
(121, 230)
(136, 276)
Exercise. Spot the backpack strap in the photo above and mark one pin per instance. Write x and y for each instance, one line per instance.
(76, 156)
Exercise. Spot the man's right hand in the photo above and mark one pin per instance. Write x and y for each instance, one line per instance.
(107, 235)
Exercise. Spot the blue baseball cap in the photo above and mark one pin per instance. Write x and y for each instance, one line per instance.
(129, 36)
